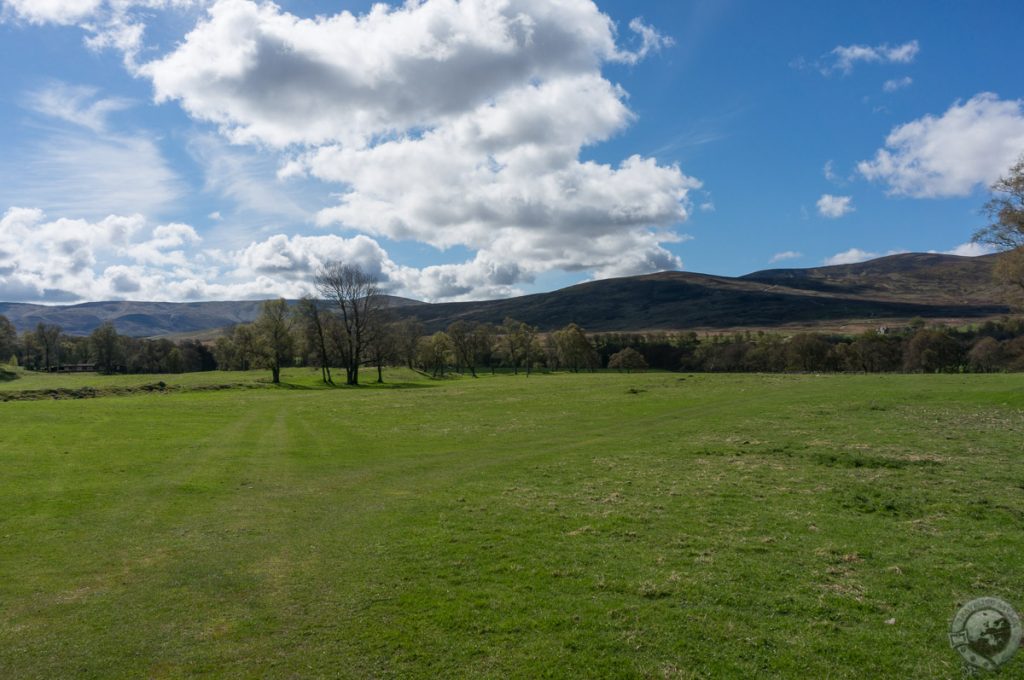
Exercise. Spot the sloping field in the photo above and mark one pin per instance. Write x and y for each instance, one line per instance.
(656, 525)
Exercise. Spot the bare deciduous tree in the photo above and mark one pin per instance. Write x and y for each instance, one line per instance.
(357, 299)
(314, 331)
(1009, 268)
(1006, 210)
(1006, 231)
(381, 347)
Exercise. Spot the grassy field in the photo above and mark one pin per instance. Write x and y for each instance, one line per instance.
(655, 525)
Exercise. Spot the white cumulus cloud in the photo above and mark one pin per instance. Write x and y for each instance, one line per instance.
(851, 256)
(650, 41)
(453, 124)
(56, 260)
(267, 75)
(971, 249)
(785, 255)
(855, 255)
(117, 24)
(970, 145)
(834, 207)
(845, 57)
(119, 257)
(829, 171)
(52, 11)
(896, 84)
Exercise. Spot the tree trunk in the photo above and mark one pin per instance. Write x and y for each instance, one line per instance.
(276, 372)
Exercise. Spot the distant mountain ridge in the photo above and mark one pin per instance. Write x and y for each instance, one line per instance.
(897, 287)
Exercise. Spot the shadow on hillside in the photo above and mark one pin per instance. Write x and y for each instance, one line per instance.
(6, 376)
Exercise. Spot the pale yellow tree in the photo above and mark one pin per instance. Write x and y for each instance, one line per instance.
(1006, 230)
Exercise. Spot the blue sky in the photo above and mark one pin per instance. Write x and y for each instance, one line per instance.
(223, 149)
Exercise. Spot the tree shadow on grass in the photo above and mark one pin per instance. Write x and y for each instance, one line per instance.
(293, 386)
(374, 385)
(342, 386)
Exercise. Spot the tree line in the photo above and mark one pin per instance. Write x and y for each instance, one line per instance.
(309, 333)
(994, 346)
(48, 348)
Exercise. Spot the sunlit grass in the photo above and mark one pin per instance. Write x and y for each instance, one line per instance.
(563, 525)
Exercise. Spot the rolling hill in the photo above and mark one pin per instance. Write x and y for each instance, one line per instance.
(887, 290)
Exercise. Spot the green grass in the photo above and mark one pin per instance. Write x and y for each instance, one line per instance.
(651, 525)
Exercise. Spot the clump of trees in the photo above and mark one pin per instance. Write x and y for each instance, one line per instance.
(572, 350)
(435, 353)
(519, 344)
(237, 349)
(347, 327)
(627, 360)
(107, 348)
(358, 304)
(464, 347)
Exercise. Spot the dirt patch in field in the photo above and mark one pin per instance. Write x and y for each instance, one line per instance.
(161, 387)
